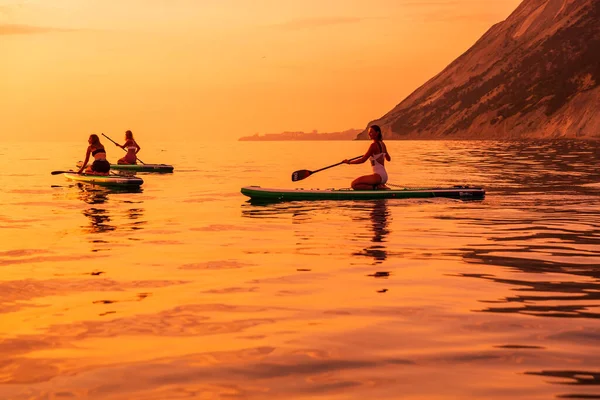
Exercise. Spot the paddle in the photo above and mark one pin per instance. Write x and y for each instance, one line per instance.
(122, 148)
(304, 173)
(73, 172)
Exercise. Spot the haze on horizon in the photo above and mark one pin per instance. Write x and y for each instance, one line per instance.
(221, 69)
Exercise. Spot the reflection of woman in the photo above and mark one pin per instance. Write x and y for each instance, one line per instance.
(379, 216)
(92, 195)
(98, 213)
(99, 219)
(379, 219)
(132, 149)
(377, 152)
(100, 166)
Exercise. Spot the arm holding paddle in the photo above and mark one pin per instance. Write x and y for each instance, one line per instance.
(372, 150)
(130, 142)
(363, 158)
(360, 159)
(85, 162)
(304, 173)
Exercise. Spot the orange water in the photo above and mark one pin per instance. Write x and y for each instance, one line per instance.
(187, 291)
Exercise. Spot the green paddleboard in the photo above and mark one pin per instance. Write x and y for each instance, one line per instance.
(456, 192)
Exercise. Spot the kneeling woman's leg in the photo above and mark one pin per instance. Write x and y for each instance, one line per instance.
(366, 182)
(125, 160)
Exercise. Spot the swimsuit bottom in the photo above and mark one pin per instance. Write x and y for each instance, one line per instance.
(380, 170)
(101, 166)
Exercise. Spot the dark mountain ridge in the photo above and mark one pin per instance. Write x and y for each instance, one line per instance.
(534, 75)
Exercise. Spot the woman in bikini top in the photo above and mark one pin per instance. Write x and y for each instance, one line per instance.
(132, 149)
(378, 154)
(100, 166)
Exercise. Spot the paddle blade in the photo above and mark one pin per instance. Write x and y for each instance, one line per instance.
(301, 174)
(61, 172)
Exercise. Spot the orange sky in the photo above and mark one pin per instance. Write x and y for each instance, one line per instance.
(221, 68)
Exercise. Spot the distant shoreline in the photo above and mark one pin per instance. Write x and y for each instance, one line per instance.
(352, 135)
(349, 134)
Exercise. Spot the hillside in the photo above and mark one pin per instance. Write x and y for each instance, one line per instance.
(534, 75)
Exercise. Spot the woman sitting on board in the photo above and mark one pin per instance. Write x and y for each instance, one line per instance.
(100, 166)
(132, 149)
(378, 154)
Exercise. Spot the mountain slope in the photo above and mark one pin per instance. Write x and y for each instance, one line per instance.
(534, 75)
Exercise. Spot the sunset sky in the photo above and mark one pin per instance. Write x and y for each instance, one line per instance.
(221, 69)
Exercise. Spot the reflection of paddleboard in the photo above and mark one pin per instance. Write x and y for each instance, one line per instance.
(108, 180)
(456, 192)
(160, 168)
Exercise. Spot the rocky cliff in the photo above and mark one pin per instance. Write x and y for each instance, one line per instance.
(534, 75)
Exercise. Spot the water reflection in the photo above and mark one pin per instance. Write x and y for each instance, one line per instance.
(575, 377)
(539, 293)
(545, 225)
(135, 214)
(537, 239)
(265, 210)
(547, 299)
(525, 255)
(100, 220)
(541, 248)
(371, 220)
(581, 379)
(378, 215)
(530, 166)
(99, 215)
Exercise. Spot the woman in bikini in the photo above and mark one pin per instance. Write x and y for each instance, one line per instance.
(378, 154)
(132, 149)
(100, 166)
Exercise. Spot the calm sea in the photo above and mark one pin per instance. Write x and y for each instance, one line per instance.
(184, 290)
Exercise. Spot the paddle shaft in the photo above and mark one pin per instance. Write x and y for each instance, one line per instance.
(75, 172)
(304, 173)
(122, 148)
(334, 165)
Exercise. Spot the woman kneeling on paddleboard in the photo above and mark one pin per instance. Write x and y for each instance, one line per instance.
(378, 154)
(132, 149)
(100, 166)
